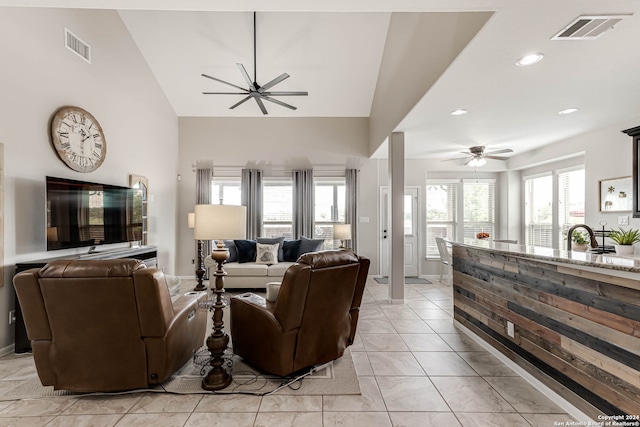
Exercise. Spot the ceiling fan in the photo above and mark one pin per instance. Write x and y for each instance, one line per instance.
(255, 91)
(476, 156)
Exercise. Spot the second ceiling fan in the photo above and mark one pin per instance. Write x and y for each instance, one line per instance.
(255, 91)
(476, 156)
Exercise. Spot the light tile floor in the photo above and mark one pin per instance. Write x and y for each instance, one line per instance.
(415, 368)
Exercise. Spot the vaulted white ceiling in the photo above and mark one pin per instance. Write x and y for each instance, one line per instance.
(334, 50)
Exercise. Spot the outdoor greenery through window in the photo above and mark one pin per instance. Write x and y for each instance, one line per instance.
(330, 199)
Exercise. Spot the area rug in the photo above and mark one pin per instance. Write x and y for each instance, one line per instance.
(334, 378)
(407, 281)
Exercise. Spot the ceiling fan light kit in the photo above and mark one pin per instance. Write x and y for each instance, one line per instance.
(255, 91)
(476, 162)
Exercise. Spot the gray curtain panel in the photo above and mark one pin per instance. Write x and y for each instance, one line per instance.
(351, 208)
(303, 203)
(203, 197)
(251, 188)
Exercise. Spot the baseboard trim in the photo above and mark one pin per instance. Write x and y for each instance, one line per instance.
(540, 386)
(7, 350)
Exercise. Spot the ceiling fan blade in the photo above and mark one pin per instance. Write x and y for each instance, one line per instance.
(506, 150)
(245, 75)
(261, 104)
(496, 157)
(224, 93)
(468, 160)
(285, 93)
(240, 102)
(273, 82)
(454, 158)
(275, 101)
(222, 81)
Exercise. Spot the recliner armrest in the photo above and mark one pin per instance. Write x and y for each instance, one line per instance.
(186, 305)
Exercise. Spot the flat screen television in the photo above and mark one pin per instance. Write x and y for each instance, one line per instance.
(89, 214)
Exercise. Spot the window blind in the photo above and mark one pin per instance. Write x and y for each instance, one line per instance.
(277, 207)
(538, 211)
(479, 207)
(571, 194)
(329, 209)
(441, 201)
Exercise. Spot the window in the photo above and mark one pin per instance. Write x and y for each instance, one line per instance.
(441, 213)
(277, 207)
(329, 209)
(538, 211)
(479, 208)
(226, 191)
(570, 202)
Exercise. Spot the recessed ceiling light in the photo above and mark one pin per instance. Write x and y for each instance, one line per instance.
(529, 59)
(459, 112)
(568, 111)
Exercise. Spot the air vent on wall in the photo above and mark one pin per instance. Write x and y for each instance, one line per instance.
(588, 27)
(77, 46)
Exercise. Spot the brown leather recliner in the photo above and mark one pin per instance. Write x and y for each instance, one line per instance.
(107, 325)
(313, 320)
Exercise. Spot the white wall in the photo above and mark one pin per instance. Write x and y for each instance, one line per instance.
(270, 144)
(37, 76)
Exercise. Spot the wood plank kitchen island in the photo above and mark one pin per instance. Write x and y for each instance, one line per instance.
(571, 319)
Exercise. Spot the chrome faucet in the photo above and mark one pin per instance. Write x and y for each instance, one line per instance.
(592, 236)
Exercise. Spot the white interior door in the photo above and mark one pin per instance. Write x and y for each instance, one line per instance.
(411, 218)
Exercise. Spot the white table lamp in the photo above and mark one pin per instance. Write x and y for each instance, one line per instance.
(342, 232)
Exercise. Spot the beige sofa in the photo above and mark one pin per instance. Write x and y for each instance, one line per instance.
(244, 272)
(248, 274)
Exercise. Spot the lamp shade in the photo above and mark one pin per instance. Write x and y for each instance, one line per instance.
(342, 231)
(191, 219)
(220, 222)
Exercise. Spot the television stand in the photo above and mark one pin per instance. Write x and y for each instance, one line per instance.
(148, 254)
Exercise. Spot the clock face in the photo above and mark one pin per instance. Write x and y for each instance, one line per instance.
(78, 139)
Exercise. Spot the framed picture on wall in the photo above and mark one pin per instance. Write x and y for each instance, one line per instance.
(616, 194)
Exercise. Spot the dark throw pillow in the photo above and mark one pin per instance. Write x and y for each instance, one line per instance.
(309, 245)
(273, 241)
(246, 250)
(290, 249)
(233, 251)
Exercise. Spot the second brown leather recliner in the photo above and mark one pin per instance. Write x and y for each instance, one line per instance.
(313, 320)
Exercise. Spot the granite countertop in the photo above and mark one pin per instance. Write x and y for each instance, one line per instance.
(612, 261)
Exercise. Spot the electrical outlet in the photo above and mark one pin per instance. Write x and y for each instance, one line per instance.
(511, 330)
(623, 220)
(12, 317)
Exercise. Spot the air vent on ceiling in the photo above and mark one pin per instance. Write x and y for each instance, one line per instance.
(588, 27)
(77, 46)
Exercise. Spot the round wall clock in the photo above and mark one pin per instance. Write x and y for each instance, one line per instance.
(78, 139)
